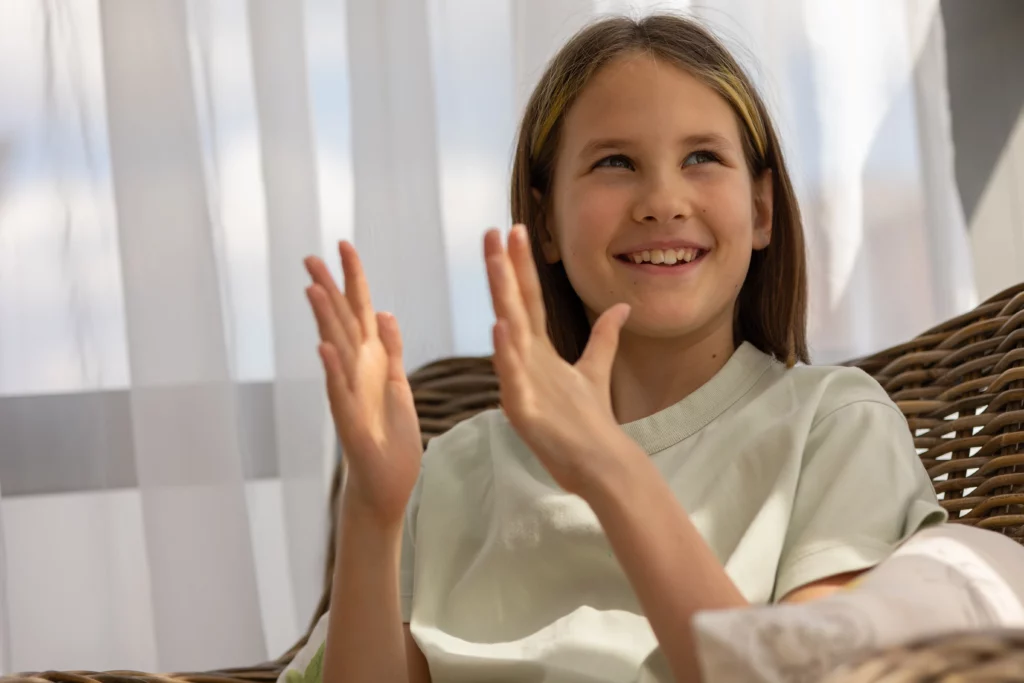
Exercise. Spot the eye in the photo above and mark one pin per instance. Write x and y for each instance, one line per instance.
(700, 157)
(615, 161)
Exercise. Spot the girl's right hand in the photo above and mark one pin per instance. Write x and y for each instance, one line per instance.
(371, 401)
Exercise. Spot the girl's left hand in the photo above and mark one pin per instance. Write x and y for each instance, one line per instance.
(563, 412)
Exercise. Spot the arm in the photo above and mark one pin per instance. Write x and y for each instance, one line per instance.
(416, 663)
(375, 417)
(821, 589)
(365, 611)
(670, 566)
(365, 639)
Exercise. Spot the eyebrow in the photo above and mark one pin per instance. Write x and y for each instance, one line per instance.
(713, 139)
(605, 144)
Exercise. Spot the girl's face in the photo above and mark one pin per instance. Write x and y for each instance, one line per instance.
(653, 203)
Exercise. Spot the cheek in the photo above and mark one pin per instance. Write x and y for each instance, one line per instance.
(590, 217)
(728, 209)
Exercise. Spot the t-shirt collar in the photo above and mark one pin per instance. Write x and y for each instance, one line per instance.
(668, 427)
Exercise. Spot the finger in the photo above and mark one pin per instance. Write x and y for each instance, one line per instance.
(391, 337)
(596, 361)
(338, 393)
(526, 276)
(507, 365)
(329, 326)
(356, 290)
(318, 271)
(324, 327)
(505, 296)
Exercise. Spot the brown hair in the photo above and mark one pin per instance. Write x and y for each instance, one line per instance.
(771, 310)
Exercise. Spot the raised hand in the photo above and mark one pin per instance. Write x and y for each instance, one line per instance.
(370, 398)
(563, 412)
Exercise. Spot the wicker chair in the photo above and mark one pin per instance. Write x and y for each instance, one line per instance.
(961, 386)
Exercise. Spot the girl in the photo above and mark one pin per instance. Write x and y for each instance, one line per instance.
(657, 452)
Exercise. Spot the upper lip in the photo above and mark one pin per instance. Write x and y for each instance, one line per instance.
(663, 245)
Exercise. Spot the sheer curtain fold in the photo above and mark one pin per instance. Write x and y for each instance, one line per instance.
(397, 206)
(859, 97)
(184, 413)
(949, 250)
(293, 225)
(5, 615)
(167, 167)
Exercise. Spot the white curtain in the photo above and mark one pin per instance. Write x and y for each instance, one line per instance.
(164, 167)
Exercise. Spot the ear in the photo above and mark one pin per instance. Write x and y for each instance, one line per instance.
(548, 243)
(764, 193)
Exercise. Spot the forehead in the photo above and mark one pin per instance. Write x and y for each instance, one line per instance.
(636, 96)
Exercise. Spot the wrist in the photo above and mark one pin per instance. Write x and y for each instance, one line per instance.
(615, 472)
(356, 516)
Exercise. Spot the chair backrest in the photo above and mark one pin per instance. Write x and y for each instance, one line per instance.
(960, 385)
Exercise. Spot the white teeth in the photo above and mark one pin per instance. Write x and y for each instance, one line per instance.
(669, 257)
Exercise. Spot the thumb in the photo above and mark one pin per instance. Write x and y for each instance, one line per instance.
(597, 358)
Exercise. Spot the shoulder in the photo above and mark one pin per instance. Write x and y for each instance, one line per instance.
(471, 442)
(468, 433)
(465, 433)
(853, 417)
(832, 389)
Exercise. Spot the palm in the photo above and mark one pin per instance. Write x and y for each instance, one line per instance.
(383, 422)
(371, 402)
(555, 435)
(562, 411)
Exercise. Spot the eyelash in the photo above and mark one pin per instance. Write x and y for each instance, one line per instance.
(711, 158)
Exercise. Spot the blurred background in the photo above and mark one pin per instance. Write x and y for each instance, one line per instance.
(165, 165)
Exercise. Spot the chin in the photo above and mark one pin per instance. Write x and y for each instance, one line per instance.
(664, 327)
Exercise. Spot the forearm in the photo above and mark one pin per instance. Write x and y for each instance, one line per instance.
(365, 641)
(671, 568)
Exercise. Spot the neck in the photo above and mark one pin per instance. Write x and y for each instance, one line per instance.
(651, 374)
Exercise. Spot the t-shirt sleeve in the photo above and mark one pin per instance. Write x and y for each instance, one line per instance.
(447, 455)
(408, 562)
(862, 490)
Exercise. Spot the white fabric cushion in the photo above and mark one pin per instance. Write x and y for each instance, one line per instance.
(944, 579)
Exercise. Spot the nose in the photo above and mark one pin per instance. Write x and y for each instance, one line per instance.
(663, 200)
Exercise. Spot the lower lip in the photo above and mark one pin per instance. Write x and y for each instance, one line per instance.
(677, 269)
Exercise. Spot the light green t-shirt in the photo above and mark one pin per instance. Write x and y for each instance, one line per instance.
(791, 475)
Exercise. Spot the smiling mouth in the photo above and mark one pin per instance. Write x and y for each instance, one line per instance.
(666, 258)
